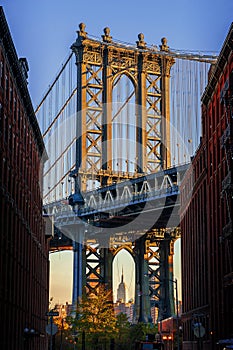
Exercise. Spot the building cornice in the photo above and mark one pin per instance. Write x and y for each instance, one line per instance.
(218, 68)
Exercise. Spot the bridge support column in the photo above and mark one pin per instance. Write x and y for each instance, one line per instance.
(142, 298)
(78, 272)
(166, 277)
(167, 63)
(141, 121)
(107, 115)
(107, 267)
(97, 269)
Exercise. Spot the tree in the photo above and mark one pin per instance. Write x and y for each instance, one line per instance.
(123, 331)
(140, 331)
(95, 319)
(95, 316)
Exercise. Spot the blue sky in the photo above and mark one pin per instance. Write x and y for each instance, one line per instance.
(44, 30)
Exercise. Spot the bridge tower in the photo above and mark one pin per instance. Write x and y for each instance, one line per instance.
(109, 116)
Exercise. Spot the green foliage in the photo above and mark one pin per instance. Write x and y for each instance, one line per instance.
(123, 331)
(95, 316)
(95, 313)
(140, 330)
(122, 323)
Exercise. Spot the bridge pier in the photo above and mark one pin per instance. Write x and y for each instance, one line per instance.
(78, 273)
(166, 277)
(107, 267)
(142, 298)
(101, 273)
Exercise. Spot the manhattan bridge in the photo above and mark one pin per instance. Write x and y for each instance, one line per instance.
(120, 123)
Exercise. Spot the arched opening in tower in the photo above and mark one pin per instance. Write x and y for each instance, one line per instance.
(124, 283)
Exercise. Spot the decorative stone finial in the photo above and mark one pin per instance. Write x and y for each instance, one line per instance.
(164, 46)
(106, 37)
(141, 43)
(81, 33)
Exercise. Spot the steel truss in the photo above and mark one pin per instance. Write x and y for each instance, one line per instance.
(100, 67)
(124, 189)
(151, 250)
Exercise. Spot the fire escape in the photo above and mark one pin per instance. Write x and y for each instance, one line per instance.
(227, 183)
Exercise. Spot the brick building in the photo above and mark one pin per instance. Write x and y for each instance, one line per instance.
(23, 246)
(206, 216)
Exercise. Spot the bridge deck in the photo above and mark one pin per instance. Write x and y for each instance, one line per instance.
(140, 205)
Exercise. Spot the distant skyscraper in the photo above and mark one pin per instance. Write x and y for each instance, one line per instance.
(121, 290)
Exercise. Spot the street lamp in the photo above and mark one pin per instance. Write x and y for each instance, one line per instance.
(29, 333)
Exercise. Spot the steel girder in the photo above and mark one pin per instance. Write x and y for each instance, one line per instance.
(100, 68)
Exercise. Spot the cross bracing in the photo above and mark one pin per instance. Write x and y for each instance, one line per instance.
(108, 206)
(58, 107)
(115, 121)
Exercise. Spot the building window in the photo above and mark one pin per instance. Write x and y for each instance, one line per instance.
(11, 96)
(5, 129)
(7, 88)
(19, 123)
(1, 74)
(1, 119)
(15, 110)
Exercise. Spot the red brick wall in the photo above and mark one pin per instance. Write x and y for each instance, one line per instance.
(206, 213)
(23, 247)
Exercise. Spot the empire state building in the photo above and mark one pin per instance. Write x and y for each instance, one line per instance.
(121, 290)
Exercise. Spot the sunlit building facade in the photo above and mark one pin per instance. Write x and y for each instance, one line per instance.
(125, 308)
(207, 215)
